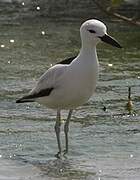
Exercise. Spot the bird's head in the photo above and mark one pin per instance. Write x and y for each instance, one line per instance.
(94, 31)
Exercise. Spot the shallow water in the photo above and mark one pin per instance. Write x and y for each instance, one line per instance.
(103, 144)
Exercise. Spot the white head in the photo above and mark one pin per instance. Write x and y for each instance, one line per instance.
(94, 31)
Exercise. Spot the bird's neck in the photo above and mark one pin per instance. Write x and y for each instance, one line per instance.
(88, 52)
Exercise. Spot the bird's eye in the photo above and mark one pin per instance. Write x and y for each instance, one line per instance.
(91, 31)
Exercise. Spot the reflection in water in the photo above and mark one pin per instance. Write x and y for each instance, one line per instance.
(65, 168)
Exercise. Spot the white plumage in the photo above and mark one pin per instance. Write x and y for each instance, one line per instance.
(69, 92)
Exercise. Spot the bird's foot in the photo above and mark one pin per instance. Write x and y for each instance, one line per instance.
(65, 152)
(58, 155)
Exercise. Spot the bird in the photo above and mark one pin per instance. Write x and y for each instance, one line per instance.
(71, 82)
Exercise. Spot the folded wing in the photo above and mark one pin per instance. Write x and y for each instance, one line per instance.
(49, 81)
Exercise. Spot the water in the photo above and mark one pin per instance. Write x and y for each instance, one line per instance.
(103, 144)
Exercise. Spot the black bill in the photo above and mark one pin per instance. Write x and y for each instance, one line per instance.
(108, 39)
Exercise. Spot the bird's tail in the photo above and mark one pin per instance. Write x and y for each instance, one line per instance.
(25, 99)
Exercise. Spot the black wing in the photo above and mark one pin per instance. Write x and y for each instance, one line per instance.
(67, 61)
(31, 97)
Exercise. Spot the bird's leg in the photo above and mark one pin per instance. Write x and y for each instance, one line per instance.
(57, 131)
(66, 130)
